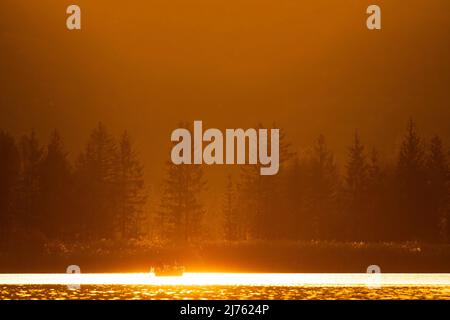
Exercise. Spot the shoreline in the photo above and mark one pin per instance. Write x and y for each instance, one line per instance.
(248, 256)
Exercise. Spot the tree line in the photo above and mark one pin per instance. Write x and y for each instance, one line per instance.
(103, 195)
(367, 200)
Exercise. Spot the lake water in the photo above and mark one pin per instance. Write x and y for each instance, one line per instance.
(225, 286)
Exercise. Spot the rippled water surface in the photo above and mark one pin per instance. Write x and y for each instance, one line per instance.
(218, 292)
(225, 286)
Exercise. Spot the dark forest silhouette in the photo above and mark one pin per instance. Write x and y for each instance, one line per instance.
(102, 195)
(369, 201)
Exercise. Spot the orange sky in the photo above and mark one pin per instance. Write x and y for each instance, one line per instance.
(310, 66)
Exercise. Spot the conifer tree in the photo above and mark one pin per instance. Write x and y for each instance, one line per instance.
(412, 209)
(9, 178)
(263, 197)
(323, 191)
(131, 190)
(438, 192)
(356, 189)
(96, 174)
(181, 209)
(29, 188)
(55, 181)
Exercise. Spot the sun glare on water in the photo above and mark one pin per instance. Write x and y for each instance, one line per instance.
(232, 279)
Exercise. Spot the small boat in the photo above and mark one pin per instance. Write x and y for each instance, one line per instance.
(168, 271)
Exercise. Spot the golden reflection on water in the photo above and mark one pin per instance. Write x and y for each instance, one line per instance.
(225, 286)
(226, 279)
(138, 292)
